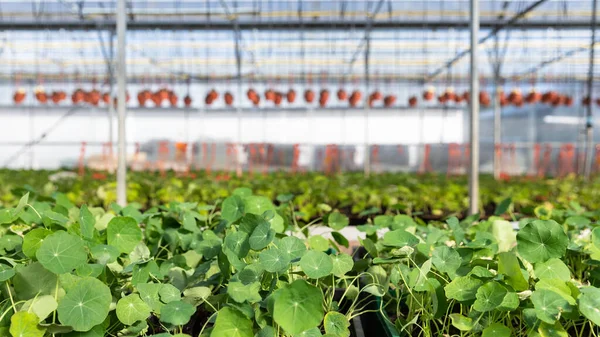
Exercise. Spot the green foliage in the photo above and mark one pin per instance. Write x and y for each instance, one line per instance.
(240, 264)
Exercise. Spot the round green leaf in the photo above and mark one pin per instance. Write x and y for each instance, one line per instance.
(41, 306)
(496, 330)
(337, 221)
(105, 254)
(25, 324)
(33, 279)
(249, 222)
(97, 331)
(298, 307)
(131, 309)
(510, 302)
(10, 242)
(273, 260)
(552, 330)
(149, 294)
(336, 324)
(85, 305)
(291, 246)
(232, 323)
(489, 297)
(169, 293)
(232, 208)
(124, 233)
(552, 269)
(342, 263)
(177, 313)
(238, 244)
(446, 259)
(462, 288)
(196, 295)
(251, 273)
(548, 305)
(277, 223)
(318, 242)
(267, 331)
(6, 272)
(242, 293)
(399, 238)
(312, 332)
(258, 204)
(61, 252)
(32, 241)
(461, 322)
(316, 264)
(542, 240)
(589, 303)
(242, 192)
(261, 236)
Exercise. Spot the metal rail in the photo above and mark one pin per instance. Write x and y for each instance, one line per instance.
(493, 33)
(291, 24)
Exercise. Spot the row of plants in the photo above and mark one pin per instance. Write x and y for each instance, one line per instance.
(429, 196)
(245, 266)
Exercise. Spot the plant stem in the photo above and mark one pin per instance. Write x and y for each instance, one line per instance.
(12, 301)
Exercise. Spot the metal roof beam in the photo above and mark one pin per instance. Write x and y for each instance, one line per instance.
(493, 33)
(494, 24)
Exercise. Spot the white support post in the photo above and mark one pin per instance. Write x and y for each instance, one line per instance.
(121, 104)
(474, 123)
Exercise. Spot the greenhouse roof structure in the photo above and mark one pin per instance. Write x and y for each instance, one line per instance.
(256, 40)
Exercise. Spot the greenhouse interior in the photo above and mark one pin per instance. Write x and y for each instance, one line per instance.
(287, 168)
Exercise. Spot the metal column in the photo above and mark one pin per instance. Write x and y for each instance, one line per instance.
(367, 163)
(238, 110)
(474, 123)
(497, 128)
(589, 124)
(121, 102)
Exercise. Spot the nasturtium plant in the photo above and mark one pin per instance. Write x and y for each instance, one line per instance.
(105, 254)
(61, 252)
(6, 272)
(232, 323)
(273, 260)
(552, 269)
(293, 247)
(25, 324)
(463, 288)
(589, 304)
(85, 305)
(33, 239)
(542, 240)
(195, 257)
(342, 264)
(446, 259)
(177, 312)
(496, 330)
(316, 264)
(548, 305)
(336, 324)
(337, 221)
(131, 309)
(123, 233)
(399, 238)
(489, 297)
(298, 307)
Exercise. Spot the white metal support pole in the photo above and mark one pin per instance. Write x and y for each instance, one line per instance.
(238, 110)
(121, 102)
(474, 129)
(589, 121)
(111, 103)
(367, 163)
(497, 128)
